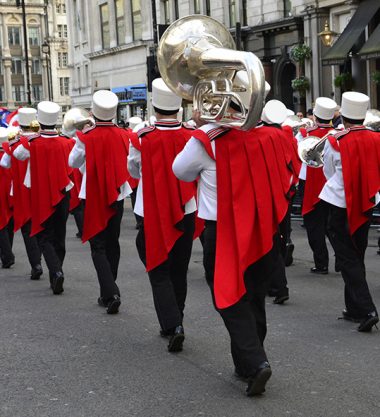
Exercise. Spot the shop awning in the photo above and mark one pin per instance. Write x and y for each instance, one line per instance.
(337, 54)
(371, 48)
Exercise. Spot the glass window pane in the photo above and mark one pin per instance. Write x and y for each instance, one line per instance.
(104, 19)
(136, 19)
(120, 27)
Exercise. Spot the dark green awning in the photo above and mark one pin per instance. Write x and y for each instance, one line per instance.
(337, 54)
(371, 48)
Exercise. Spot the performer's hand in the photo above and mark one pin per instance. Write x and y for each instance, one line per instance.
(197, 118)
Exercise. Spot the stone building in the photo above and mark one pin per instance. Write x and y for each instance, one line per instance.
(48, 71)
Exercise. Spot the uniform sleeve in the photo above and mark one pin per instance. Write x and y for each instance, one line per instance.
(77, 155)
(329, 160)
(134, 162)
(21, 153)
(193, 159)
(6, 161)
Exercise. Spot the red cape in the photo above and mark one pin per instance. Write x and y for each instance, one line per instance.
(252, 202)
(106, 172)
(50, 174)
(130, 136)
(22, 212)
(360, 155)
(315, 178)
(164, 196)
(5, 197)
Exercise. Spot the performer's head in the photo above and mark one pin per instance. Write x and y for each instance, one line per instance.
(354, 108)
(324, 110)
(274, 112)
(47, 114)
(104, 105)
(135, 123)
(27, 118)
(166, 104)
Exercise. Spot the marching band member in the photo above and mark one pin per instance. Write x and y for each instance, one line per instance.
(6, 209)
(351, 166)
(49, 183)
(21, 195)
(167, 205)
(314, 211)
(104, 187)
(236, 242)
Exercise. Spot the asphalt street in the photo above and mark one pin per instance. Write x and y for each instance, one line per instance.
(63, 356)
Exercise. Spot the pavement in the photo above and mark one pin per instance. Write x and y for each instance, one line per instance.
(63, 356)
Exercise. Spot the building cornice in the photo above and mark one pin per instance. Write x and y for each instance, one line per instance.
(283, 25)
(116, 49)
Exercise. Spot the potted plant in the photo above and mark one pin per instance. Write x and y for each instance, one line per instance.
(300, 53)
(343, 81)
(376, 77)
(301, 84)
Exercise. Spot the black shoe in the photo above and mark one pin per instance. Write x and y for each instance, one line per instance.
(8, 264)
(57, 283)
(36, 272)
(289, 254)
(113, 305)
(320, 271)
(176, 340)
(240, 376)
(369, 321)
(280, 299)
(256, 383)
(349, 317)
(166, 333)
(102, 302)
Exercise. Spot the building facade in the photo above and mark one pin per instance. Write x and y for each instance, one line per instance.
(113, 45)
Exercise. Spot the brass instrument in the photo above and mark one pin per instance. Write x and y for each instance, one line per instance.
(198, 60)
(76, 119)
(34, 126)
(295, 123)
(372, 120)
(310, 150)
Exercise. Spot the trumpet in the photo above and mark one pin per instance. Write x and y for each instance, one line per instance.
(76, 119)
(310, 150)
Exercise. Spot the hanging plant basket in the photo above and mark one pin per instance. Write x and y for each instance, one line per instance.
(376, 77)
(300, 53)
(301, 84)
(343, 81)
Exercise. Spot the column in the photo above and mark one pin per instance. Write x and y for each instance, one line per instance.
(8, 83)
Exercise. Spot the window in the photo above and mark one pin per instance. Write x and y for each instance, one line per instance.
(64, 86)
(62, 59)
(18, 93)
(34, 36)
(86, 75)
(136, 19)
(287, 8)
(232, 7)
(79, 83)
(176, 9)
(1, 93)
(120, 26)
(17, 66)
(63, 8)
(244, 7)
(62, 31)
(197, 7)
(37, 92)
(60, 8)
(166, 9)
(105, 25)
(13, 35)
(208, 8)
(36, 66)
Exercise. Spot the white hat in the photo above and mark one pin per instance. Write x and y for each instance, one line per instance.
(290, 112)
(354, 105)
(306, 121)
(26, 116)
(180, 114)
(134, 121)
(274, 112)
(324, 108)
(104, 105)
(4, 132)
(163, 98)
(152, 120)
(267, 89)
(48, 112)
(241, 81)
(140, 126)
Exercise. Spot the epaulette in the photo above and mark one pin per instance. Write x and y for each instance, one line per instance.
(88, 129)
(145, 130)
(31, 137)
(14, 141)
(188, 126)
(340, 134)
(217, 132)
(311, 129)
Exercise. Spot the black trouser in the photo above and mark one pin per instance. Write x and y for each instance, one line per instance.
(277, 278)
(133, 195)
(316, 227)
(51, 239)
(350, 251)
(78, 217)
(6, 242)
(169, 280)
(31, 245)
(245, 320)
(105, 252)
(285, 228)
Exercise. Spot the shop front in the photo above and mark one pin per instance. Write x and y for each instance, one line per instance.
(132, 101)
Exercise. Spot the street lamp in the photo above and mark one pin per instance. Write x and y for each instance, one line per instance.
(46, 51)
(327, 35)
